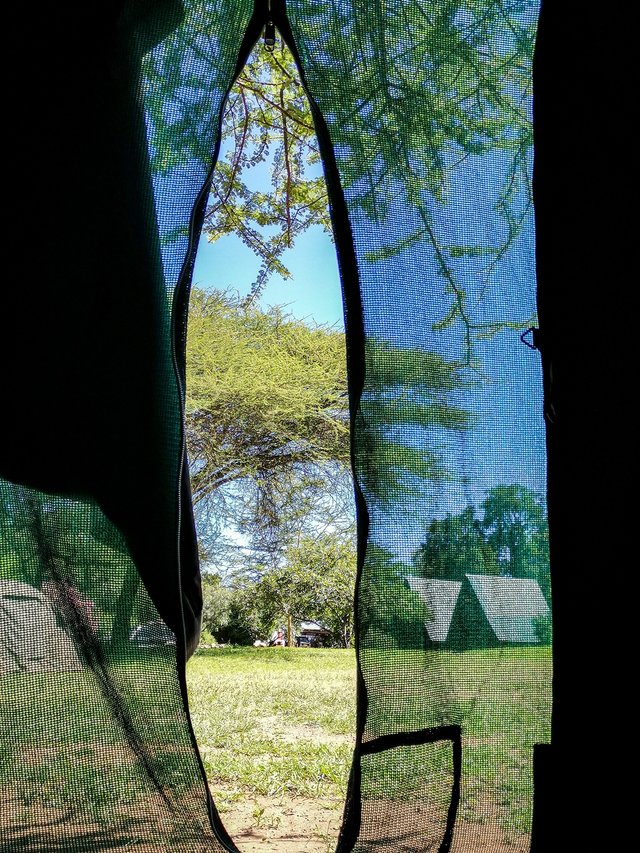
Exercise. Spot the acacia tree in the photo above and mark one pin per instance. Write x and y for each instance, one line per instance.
(456, 64)
(266, 419)
(268, 426)
(473, 86)
(264, 392)
(268, 121)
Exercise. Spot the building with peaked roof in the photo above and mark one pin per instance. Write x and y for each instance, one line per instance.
(510, 606)
(481, 611)
(440, 597)
(317, 633)
(31, 640)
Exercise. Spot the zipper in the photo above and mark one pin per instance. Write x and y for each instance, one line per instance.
(269, 30)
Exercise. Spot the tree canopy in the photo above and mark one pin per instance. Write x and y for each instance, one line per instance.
(268, 121)
(515, 524)
(266, 416)
(264, 392)
(390, 614)
(455, 545)
(315, 582)
(268, 424)
(455, 64)
(508, 537)
(407, 396)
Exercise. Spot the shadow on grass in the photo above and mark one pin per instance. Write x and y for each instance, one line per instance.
(55, 835)
(63, 831)
(88, 843)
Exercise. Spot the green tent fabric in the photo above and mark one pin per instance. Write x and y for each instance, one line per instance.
(423, 111)
(22, 607)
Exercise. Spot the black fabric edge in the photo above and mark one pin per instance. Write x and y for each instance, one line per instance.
(180, 304)
(355, 337)
(413, 738)
(418, 738)
(542, 796)
(179, 319)
(452, 814)
(584, 253)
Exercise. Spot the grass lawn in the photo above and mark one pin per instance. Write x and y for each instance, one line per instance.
(278, 724)
(276, 732)
(79, 759)
(274, 721)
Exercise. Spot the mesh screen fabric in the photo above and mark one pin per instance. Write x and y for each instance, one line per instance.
(426, 108)
(98, 751)
(414, 817)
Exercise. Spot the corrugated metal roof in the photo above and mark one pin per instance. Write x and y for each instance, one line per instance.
(312, 626)
(510, 605)
(441, 597)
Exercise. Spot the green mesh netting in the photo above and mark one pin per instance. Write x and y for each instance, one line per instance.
(423, 115)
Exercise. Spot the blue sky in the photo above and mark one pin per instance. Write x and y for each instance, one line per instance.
(508, 443)
(313, 292)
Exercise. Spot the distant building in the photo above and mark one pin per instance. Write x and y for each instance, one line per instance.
(510, 606)
(31, 639)
(481, 611)
(441, 598)
(317, 634)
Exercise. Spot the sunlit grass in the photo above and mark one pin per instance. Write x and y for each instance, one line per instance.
(275, 721)
(279, 722)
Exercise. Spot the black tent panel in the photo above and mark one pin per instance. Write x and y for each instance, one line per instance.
(423, 114)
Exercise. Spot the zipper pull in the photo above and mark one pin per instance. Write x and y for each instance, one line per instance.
(269, 30)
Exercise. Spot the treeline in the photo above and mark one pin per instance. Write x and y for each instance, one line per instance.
(507, 535)
(313, 582)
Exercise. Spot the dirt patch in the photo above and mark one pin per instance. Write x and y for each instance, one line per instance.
(487, 838)
(283, 824)
(300, 825)
(36, 827)
(282, 730)
(256, 824)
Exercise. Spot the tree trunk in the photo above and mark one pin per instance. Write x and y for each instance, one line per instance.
(124, 611)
